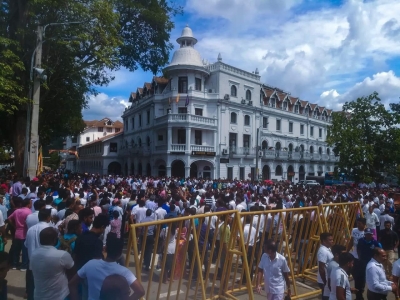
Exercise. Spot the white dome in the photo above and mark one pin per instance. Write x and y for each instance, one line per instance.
(187, 32)
(186, 56)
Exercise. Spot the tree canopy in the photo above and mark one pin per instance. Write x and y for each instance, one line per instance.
(366, 136)
(111, 34)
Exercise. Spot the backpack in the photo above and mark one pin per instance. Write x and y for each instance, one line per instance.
(66, 244)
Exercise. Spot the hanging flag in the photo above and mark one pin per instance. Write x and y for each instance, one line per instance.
(177, 98)
(187, 100)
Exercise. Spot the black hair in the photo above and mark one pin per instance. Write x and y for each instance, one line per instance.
(345, 258)
(148, 212)
(49, 200)
(270, 245)
(116, 214)
(72, 225)
(362, 220)
(101, 220)
(48, 236)
(114, 246)
(44, 214)
(86, 212)
(172, 207)
(337, 249)
(26, 202)
(324, 236)
(39, 204)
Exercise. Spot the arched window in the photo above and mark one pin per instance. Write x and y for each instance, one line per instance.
(302, 148)
(248, 95)
(148, 141)
(290, 147)
(233, 118)
(233, 91)
(278, 146)
(278, 171)
(311, 149)
(264, 145)
(320, 150)
(140, 142)
(247, 120)
(328, 151)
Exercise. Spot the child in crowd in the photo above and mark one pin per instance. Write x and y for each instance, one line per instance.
(67, 241)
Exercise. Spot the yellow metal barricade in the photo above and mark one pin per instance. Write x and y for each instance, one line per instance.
(196, 267)
(211, 256)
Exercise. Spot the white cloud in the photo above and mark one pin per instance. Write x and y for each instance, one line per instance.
(387, 84)
(102, 106)
(303, 53)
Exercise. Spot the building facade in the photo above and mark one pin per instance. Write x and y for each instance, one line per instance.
(215, 120)
(95, 130)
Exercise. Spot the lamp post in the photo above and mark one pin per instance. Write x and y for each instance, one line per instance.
(36, 75)
(256, 172)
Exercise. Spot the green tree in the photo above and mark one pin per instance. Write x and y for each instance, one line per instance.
(366, 136)
(114, 34)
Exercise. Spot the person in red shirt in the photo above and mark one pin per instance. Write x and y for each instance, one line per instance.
(18, 220)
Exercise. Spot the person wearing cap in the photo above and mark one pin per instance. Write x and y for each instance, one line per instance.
(365, 248)
(378, 286)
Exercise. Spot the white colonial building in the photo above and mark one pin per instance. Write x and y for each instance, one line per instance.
(95, 131)
(202, 120)
(210, 120)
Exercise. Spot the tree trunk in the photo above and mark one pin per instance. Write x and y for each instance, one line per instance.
(18, 141)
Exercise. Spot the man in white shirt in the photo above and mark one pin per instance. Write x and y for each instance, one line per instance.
(33, 218)
(274, 268)
(356, 234)
(324, 256)
(250, 239)
(378, 286)
(332, 266)
(32, 242)
(51, 268)
(340, 285)
(97, 270)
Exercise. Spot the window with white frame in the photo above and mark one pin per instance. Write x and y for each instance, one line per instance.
(290, 127)
(296, 108)
(278, 125)
(247, 120)
(265, 122)
(248, 95)
(233, 91)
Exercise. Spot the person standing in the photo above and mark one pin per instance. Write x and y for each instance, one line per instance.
(274, 268)
(32, 242)
(51, 268)
(378, 286)
(365, 252)
(18, 220)
(149, 242)
(389, 241)
(96, 271)
(340, 285)
(332, 266)
(359, 277)
(324, 256)
(372, 220)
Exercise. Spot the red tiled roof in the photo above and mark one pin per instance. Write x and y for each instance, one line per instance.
(103, 138)
(160, 80)
(96, 123)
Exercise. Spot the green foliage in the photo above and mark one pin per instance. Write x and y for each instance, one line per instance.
(10, 87)
(112, 34)
(366, 136)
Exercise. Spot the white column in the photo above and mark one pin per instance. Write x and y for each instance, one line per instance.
(188, 140)
(169, 138)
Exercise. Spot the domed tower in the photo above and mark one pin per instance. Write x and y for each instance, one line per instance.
(186, 57)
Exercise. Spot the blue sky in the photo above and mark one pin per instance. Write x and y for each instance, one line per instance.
(325, 52)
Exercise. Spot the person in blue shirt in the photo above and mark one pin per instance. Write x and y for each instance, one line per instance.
(365, 248)
(66, 242)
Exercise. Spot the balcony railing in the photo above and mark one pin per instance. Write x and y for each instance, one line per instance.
(180, 118)
(282, 154)
(242, 151)
(202, 148)
(178, 147)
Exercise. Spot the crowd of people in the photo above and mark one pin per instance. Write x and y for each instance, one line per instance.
(70, 229)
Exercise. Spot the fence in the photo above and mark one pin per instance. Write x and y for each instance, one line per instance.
(204, 258)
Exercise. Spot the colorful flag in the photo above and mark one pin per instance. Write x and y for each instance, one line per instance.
(187, 100)
(177, 98)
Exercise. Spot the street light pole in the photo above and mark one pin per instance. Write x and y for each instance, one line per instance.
(256, 172)
(32, 143)
(34, 132)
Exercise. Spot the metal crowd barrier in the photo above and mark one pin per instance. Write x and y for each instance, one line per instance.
(206, 265)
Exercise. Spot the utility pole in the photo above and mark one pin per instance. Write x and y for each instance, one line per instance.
(34, 136)
(256, 172)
